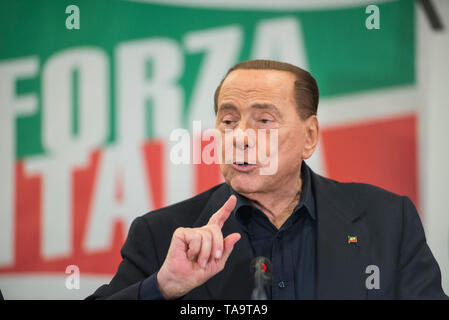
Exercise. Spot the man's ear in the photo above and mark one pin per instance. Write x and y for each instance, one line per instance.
(312, 128)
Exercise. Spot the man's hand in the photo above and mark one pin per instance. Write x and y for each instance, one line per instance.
(196, 254)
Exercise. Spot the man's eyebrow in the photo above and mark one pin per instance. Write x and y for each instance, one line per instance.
(227, 106)
(266, 106)
(259, 106)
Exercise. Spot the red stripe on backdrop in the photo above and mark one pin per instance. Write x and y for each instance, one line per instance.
(27, 220)
(28, 212)
(380, 152)
(206, 175)
(153, 152)
(102, 262)
(28, 228)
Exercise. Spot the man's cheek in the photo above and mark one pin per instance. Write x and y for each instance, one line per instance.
(270, 161)
(267, 147)
(227, 149)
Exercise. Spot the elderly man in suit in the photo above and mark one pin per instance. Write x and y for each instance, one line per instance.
(323, 237)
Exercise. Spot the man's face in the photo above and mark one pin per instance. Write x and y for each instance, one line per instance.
(263, 99)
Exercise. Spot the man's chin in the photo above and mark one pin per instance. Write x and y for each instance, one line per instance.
(245, 184)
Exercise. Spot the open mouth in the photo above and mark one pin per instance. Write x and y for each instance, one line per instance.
(243, 166)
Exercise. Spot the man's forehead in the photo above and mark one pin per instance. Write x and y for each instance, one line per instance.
(250, 83)
(261, 75)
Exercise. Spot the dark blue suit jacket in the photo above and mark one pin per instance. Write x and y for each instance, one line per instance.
(387, 226)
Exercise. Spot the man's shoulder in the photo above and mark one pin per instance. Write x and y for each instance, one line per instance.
(183, 213)
(362, 195)
(384, 211)
(369, 191)
(358, 188)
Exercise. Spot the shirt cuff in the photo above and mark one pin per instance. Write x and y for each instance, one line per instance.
(149, 289)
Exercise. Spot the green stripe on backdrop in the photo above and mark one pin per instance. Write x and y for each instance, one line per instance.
(342, 54)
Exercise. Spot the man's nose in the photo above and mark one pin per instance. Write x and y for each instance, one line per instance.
(244, 136)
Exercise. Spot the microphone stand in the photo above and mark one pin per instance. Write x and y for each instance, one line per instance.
(262, 277)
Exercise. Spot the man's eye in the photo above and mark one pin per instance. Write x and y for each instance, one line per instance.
(227, 122)
(265, 121)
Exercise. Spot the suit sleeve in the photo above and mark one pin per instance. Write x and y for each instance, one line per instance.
(139, 261)
(419, 273)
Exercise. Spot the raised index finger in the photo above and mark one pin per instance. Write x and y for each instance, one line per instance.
(224, 212)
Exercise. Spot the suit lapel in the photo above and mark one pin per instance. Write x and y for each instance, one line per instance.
(341, 265)
(235, 281)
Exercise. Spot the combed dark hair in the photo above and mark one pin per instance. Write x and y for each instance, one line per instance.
(305, 87)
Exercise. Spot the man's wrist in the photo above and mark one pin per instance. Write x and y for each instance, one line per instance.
(149, 289)
(163, 285)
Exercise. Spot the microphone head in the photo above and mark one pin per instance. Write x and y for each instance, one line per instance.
(261, 265)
